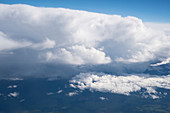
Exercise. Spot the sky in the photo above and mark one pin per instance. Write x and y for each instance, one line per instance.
(147, 10)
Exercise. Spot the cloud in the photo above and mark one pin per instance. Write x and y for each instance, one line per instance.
(14, 94)
(121, 84)
(166, 61)
(59, 91)
(14, 86)
(13, 79)
(47, 44)
(79, 55)
(50, 93)
(9, 44)
(138, 57)
(103, 98)
(158, 26)
(72, 37)
(72, 93)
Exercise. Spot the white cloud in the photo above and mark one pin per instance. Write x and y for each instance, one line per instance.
(79, 55)
(103, 98)
(12, 79)
(9, 44)
(47, 44)
(158, 26)
(72, 93)
(59, 91)
(74, 37)
(166, 61)
(140, 56)
(121, 84)
(50, 93)
(12, 86)
(14, 94)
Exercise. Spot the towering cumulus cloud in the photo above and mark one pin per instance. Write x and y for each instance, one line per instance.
(72, 37)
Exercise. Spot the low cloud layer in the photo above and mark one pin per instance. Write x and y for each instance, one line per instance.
(33, 35)
(121, 84)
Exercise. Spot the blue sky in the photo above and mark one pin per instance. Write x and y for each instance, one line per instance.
(147, 10)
